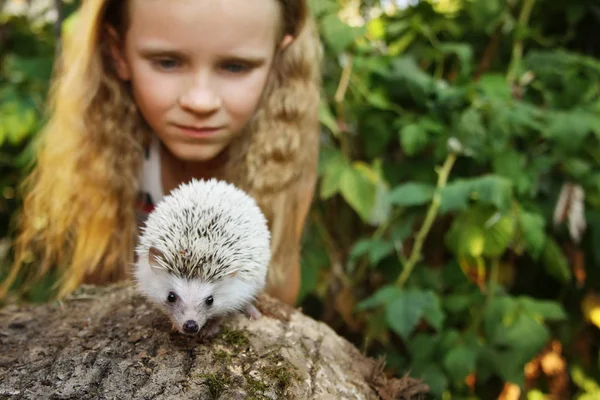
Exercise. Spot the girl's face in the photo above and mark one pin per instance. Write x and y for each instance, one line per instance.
(198, 68)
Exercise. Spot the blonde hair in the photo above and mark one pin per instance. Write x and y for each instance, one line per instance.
(79, 214)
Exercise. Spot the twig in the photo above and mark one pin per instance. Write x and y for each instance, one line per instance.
(336, 264)
(488, 53)
(340, 93)
(342, 88)
(364, 262)
(415, 254)
(517, 52)
(491, 288)
(58, 5)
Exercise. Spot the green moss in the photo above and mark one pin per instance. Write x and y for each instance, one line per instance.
(222, 356)
(235, 338)
(276, 373)
(216, 383)
(282, 377)
(278, 378)
(256, 389)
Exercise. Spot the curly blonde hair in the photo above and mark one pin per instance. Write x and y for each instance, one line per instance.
(79, 211)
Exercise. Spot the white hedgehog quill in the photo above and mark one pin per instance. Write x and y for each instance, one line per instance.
(203, 254)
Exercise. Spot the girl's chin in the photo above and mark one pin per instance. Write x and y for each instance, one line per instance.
(198, 152)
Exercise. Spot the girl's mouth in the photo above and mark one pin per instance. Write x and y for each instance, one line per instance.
(198, 131)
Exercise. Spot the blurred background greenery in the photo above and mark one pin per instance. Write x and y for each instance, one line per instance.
(456, 228)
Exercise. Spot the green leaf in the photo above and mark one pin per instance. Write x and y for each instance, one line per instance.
(532, 226)
(434, 314)
(578, 168)
(378, 98)
(509, 324)
(376, 29)
(526, 334)
(544, 309)
(512, 165)
(18, 121)
(583, 381)
(399, 45)
(514, 337)
(480, 231)
(494, 86)
(411, 194)
(434, 377)
(498, 234)
(338, 35)
(29, 69)
(555, 261)
(465, 237)
(413, 139)
(472, 133)
(382, 297)
(402, 229)
(333, 168)
(464, 52)
(366, 191)
(405, 312)
(358, 191)
(326, 118)
(409, 82)
(491, 189)
(460, 361)
(377, 249)
(458, 302)
(422, 348)
(569, 128)
(320, 7)
(448, 339)
(69, 24)
(455, 196)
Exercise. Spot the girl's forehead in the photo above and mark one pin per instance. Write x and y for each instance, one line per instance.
(204, 24)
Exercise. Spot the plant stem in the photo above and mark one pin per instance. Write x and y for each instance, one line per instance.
(342, 88)
(332, 252)
(517, 52)
(415, 254)
(491, 288)
(340, 94)
(361, 270)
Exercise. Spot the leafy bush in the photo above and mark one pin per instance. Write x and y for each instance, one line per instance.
(456, 216)
(459, 193)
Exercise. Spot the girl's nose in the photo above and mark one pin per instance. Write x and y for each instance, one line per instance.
(200, 99)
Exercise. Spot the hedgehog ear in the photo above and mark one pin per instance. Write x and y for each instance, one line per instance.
(153, 255)
(232, 274)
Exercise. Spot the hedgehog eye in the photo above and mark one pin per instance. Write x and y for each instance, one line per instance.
(172, 297)
(209, 300)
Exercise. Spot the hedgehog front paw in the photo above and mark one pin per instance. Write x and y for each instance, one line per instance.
(252, 312)
(211, 328)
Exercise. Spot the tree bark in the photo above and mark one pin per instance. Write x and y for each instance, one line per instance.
(108, 343)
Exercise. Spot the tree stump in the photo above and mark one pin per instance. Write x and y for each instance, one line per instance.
(109, 343)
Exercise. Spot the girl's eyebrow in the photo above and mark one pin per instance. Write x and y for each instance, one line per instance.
(162, 51)
(153, 51)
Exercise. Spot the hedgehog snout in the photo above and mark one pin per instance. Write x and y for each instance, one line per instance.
(190, 326)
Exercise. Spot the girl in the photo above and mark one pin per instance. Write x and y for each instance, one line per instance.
(150, 94)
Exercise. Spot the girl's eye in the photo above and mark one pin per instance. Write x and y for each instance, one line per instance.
(172, 297)
(209, 300)
(235, 67)
(166, 63)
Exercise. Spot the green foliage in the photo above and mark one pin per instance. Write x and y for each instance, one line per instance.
(459, 277)
(26, 59)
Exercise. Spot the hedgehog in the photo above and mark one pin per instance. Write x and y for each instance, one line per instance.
(203, 254)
